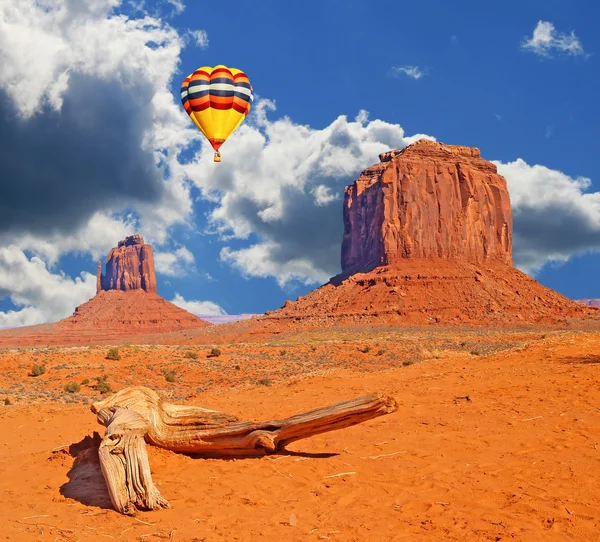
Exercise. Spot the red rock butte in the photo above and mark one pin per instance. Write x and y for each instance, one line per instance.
(428, 200)
(126, 298)
(428, 239)
(126, 305)
(129, 266)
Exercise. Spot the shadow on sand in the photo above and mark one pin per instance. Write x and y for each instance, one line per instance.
(588, 359)
(86, 483)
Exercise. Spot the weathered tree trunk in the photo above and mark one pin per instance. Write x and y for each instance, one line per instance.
(125, 466)
(137, 414)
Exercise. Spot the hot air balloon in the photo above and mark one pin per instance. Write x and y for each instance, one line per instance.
(217, 100)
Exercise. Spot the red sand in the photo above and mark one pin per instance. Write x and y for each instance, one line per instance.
(518, 461)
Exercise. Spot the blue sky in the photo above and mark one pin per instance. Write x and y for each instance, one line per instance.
(519, 80)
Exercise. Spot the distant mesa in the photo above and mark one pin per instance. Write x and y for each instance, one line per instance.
(428, 239)
(590, 302)
(226, 318)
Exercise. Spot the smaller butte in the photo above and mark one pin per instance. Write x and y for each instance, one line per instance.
(126, 300)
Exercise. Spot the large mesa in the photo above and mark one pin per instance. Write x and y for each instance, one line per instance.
(428, 200)
(428, 239)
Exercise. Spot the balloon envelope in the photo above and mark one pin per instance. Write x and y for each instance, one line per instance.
(217, 100)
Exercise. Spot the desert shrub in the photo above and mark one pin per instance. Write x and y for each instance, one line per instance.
(38, 370)
(407, 362)
(190, 355)
(72, 387)
(475, 353)
(265, 382)
(463, 344)
(85, 381)
(113, 354)
(380, 352)
(7, 401)
(365, 349)
(282, 352)
(214, 353)
(170, 376)
(237, 367)
(102, 384)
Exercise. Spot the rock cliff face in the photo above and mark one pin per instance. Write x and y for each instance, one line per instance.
(428, 200)
(129, 266)
(428, 239)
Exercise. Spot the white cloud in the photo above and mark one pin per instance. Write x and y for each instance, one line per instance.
(175, 264)
(411, 71)
(277, 181)
(555, 215)
(546, 38)
(199, 308)
(323, 195)
(262, 260)
(41, 295)
(66, 41)
(178, 5)
(96, 237)
(200, 38)
(60, 39)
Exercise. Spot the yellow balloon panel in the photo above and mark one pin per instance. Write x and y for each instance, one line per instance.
(217, 100)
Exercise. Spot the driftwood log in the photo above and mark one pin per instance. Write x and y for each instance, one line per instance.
(137, 415)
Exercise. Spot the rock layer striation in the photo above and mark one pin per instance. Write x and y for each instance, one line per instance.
(129, 266)
(428, 200)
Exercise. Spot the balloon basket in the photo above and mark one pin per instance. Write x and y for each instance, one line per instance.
(217, 157)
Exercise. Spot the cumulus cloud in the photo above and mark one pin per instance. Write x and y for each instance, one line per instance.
(175, 264)
(40, 296)
(199, 308)
(546, 39)
(58, 168)
(100, 118)
(555, 216)
(282, 183)
(89, 146)
(411, 71)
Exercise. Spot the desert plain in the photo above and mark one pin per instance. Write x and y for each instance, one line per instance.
(496, 437)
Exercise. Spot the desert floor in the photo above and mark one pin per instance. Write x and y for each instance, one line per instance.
(497, 437)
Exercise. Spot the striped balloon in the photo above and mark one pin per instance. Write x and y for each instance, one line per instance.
(217, 100)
